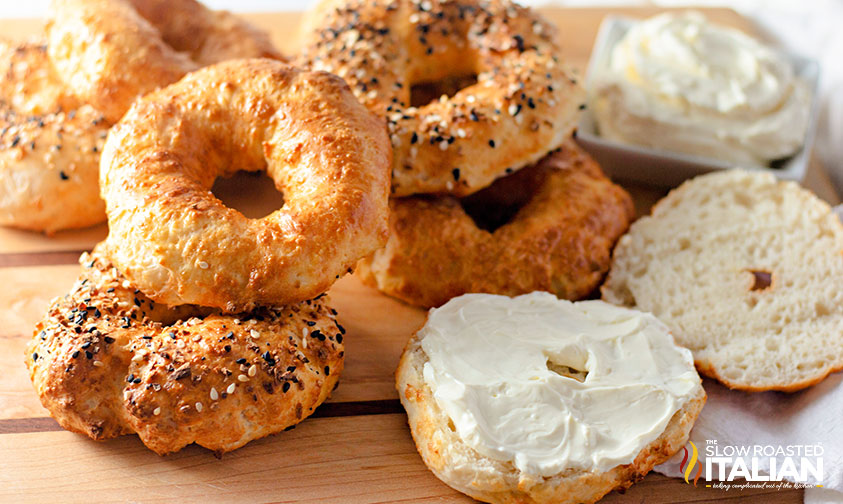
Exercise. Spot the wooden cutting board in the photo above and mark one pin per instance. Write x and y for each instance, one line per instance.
(356, 448)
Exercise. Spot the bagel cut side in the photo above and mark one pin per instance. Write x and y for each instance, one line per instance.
(179, 244)
(746, 272)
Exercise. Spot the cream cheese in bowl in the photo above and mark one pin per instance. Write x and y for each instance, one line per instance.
(680, 83)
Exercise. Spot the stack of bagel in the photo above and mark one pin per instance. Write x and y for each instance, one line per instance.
(489, 192)
(191, 322)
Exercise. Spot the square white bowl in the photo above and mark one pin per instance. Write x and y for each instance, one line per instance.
(668, 168)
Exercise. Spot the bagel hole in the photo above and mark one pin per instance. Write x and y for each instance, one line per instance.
(567, 371)
(497, 205)
(423, 93)
(253, 194)
(761, 280)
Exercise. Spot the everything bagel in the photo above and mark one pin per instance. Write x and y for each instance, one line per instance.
(112, 51)
(49, 146)
(523, 105)
(107, 361)
(180, 245)
(560, 241)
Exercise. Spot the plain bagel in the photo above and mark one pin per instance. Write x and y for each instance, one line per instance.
(560, 238)
(523, 105)
(109, 52)
(179, 244)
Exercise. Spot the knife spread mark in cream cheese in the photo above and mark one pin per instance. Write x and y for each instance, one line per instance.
(680, 83)
(551, 385)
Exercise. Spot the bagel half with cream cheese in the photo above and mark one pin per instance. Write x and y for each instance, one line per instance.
(534, 399)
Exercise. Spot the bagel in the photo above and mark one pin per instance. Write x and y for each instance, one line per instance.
(50, 145)
(112, 51)
(499, 419)
(107, 361)
(179, 244)
(559, 241)
(745, 270)
(523, 105)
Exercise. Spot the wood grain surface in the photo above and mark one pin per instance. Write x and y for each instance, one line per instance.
(356, 448)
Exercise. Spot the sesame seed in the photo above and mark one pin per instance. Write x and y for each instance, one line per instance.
(199, 407)
(63, 175)
(492, 143)
(514, 109)
(243, 378)
(214, 394)
(443, 145)
(255, 334)
(285, 387)
(461, 133)
(156, 411)
(241, 360)
(203, 265)
(98, 363)
(230, 389)
(253, 369)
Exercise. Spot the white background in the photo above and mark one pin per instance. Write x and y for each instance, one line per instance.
(809, 27)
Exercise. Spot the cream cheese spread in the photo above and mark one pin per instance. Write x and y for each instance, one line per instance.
(550, 385)
(680, 83)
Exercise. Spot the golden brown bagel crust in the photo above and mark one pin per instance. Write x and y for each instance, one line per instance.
(49, 146)
(112, 51)
(560, 241)
(180, 245)
(461, 467)
(523, 105)
(106, 360)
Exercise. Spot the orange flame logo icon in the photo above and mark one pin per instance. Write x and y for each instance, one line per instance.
(690, 463)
